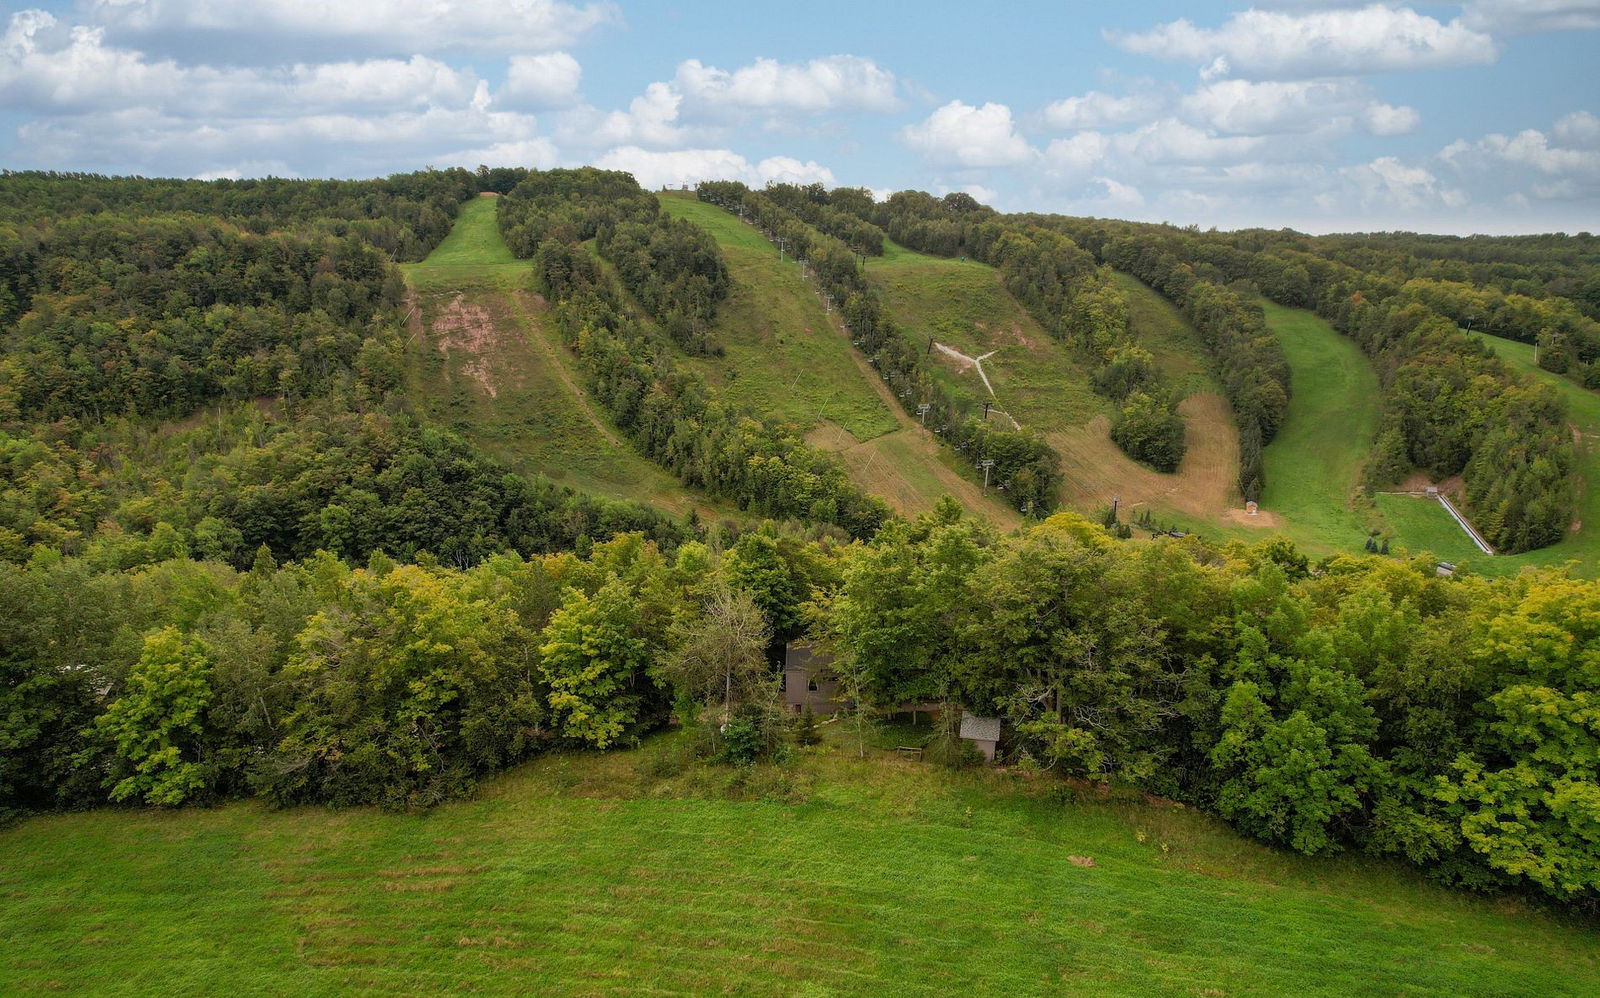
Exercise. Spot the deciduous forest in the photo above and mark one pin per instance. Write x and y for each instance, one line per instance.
(235, 560)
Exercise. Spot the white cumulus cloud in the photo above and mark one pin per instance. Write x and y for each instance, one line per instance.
(656, 168)
(961, 134)
(1386, 182)
(1518, 17)
(831, 83)
(49, 68)
(546, 80)
(1077, 155)
(1098, 110)
(266, 29)
(1390, 119)
(1270, 44)
(1580, 128)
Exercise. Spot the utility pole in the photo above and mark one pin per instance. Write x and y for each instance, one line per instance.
(781, 242)
(986, 407)
(986, 464)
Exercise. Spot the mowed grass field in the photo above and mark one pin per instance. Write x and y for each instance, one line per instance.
(788, 358)
(491, 366)
(473, 253)
(621, 874)
(1419, 524)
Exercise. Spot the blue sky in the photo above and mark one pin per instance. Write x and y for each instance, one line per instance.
(1480, 116)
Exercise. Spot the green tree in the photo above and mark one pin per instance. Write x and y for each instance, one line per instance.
(1527, 794)
(156, 725)
(720, 653)
(593, 662)
(406, 687)
(758, 565)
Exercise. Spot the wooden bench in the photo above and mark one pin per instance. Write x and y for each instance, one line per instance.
(914, 751)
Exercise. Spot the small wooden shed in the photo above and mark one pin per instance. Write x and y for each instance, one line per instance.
(984, 732)
(809, 680)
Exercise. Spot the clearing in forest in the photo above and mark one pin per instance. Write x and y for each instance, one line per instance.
(787, 357)
(1419, 524)
(492, 367)
(963, 304)
(1314, 464)
(628, 873)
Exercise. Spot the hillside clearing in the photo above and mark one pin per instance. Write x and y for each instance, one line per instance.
(492, 368)
(1313, 465)
(1202, 487)
(624, 874)
(1418, 528)
(963, 305)
(788, 358)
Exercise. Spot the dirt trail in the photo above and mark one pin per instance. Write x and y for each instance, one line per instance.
(525, 302)
(976, 363)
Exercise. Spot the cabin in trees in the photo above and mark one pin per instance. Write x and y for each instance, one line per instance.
(809, 680)
(983, 732)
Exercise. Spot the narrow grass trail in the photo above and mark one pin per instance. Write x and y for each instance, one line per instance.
(625, 874)
(788, 357)
(1581, 546)
(493, 368)
(1314, 464)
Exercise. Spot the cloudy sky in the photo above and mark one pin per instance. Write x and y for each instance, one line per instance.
(1481, 116)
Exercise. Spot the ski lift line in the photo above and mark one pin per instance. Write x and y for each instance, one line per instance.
(1472, 532)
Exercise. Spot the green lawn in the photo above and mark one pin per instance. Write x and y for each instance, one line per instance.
(1420, 525)
(586, 874)
(491, 366)
(473, 252)
(785, 356)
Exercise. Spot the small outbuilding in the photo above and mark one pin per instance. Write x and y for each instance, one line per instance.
(983, 732)
(809, 679)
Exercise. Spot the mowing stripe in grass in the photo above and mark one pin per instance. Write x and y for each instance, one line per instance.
(580, 873)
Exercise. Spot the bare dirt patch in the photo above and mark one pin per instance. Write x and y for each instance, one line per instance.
(462, 327)
(1094, 469)
(1263, 518)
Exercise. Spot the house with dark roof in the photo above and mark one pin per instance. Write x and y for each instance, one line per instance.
(809, 679)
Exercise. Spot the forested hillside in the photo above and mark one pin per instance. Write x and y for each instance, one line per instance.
(238, 557)
(1450, 407)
